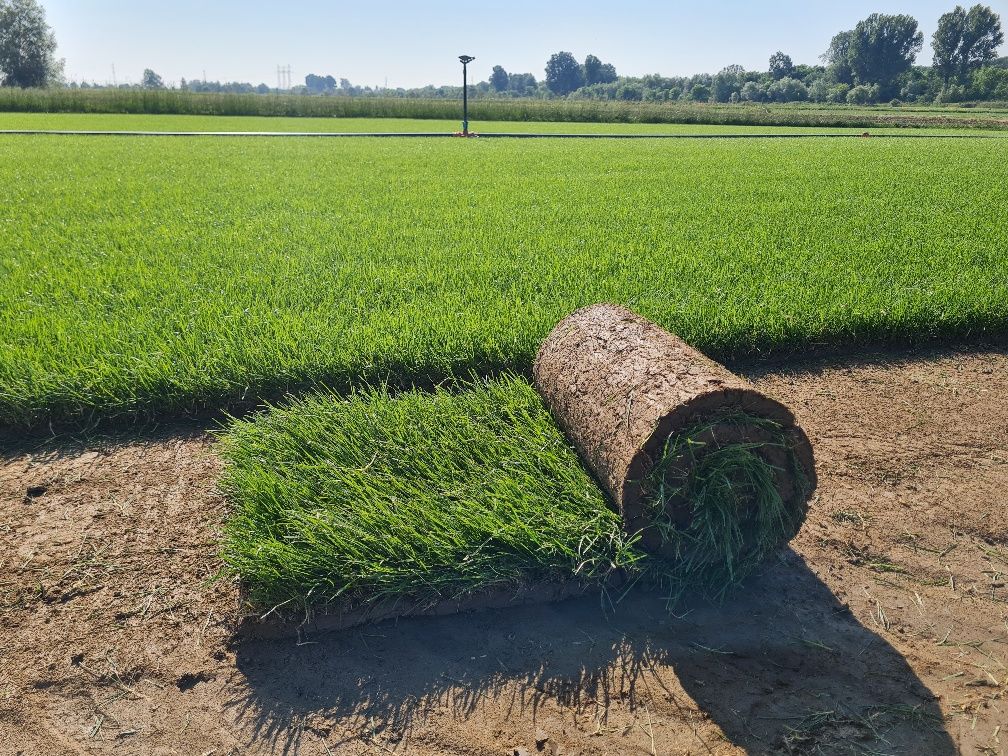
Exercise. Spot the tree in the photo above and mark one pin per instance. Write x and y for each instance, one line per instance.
(320, 84)
(780, 65)
(837, 57)
(965, 41)
(522, 84)
(882, 47)
(151, 80)
(819, 91)
(27, 46)
(727, 82)
(945, 43)
(981, 38)
(313, 83)
(753, 92)
(807, 74)
(499, 79)
(563, 73)
(597, 72)
(700, 93)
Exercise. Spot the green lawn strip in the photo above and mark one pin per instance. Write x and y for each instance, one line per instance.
(426, 496)
(148, 275)
(163, 122)
(68, 100)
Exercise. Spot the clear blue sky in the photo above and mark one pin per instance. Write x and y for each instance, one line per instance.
(416, 43)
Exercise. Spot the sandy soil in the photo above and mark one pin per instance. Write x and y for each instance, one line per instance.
(884, 630)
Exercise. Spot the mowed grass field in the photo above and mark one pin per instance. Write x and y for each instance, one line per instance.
(162, 122)
(151, 275)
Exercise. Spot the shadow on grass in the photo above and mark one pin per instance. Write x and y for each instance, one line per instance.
(783, 667)
(159, 405)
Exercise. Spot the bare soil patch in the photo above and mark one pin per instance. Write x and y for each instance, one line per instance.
(884, 630)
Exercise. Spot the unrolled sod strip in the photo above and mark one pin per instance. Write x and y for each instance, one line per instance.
(674, 439)
(646, 411)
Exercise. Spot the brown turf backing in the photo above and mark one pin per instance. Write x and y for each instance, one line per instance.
(619, 386)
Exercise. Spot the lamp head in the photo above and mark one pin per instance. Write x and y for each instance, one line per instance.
(464, 59)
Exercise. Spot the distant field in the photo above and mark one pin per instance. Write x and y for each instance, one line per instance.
(129, 122)
(749, 114)
(148, 275)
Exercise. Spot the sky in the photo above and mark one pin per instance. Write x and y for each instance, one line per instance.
(410, 44)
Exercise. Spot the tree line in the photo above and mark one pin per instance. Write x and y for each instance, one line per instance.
(873, 62)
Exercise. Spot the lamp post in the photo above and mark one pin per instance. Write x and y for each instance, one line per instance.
(465, 60)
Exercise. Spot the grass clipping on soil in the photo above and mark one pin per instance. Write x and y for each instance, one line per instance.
(427, 497)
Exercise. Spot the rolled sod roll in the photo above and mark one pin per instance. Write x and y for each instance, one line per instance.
(709, 471)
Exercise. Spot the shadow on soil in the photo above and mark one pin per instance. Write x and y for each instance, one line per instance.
(71, 443)
(783, 667)
(212, 412)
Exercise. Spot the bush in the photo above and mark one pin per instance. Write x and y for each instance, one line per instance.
(630, 92)
(675, 106)
(990, 83)
(920, 89)
(951, 93)
(819, 91)
(753, 92)
(895, 102)
(700, 93)
(787, 90)
(863, 95)
(838, 93)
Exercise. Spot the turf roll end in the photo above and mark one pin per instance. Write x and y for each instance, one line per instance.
(711, 473)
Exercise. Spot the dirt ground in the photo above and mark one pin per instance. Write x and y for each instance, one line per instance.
(884, 629)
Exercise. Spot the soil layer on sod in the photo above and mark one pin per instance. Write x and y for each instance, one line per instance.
(151, 276)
